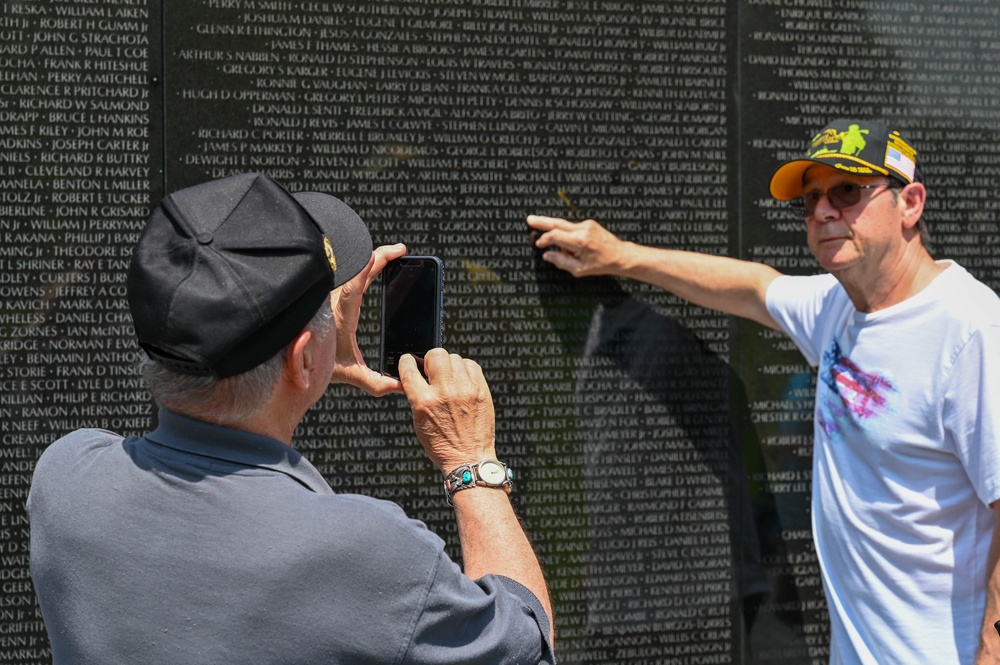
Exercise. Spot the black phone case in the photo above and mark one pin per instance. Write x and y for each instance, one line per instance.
(432, 305)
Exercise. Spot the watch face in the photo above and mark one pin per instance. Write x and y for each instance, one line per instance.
(492, 473)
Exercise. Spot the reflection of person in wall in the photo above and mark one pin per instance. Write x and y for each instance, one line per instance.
(210, 539)
(633, 361)
(906, 469)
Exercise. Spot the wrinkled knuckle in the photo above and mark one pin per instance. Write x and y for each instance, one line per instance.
(421, 405)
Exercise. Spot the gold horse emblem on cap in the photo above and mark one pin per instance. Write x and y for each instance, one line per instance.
(329, 253)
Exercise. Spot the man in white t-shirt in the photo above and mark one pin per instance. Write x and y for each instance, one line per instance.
(906, 467)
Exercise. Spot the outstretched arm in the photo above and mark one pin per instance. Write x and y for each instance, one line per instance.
(716, 282)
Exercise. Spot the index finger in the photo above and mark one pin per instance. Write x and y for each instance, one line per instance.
(380, 257)
(542, 223)
(439, 366)
(357, 287)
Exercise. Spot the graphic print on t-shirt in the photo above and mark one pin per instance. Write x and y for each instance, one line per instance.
(854, 396)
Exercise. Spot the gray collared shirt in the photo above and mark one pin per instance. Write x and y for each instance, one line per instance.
(203, 544)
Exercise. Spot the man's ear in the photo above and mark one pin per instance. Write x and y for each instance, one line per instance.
(913, 197)
(299, 360)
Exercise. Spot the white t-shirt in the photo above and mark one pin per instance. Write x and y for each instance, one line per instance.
(906, 462)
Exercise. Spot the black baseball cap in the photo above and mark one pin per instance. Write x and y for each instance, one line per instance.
(228, 272)
(861, 147)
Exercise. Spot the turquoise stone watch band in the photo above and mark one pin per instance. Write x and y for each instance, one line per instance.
(498, 476)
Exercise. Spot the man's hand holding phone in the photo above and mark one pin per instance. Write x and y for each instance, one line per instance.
(452, 408)
(350, 365)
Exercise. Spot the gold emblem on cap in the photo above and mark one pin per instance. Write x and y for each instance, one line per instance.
(329, 253)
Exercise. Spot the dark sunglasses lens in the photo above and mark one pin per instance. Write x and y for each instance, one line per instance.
(809, 201)
(840, 196)
(844, 196)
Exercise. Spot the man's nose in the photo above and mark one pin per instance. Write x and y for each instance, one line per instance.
(824, 209)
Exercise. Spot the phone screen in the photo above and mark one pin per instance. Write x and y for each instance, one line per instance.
(412, 316)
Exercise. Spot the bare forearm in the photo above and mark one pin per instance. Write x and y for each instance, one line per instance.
(454, 419)
(727, 285)
(493, 542)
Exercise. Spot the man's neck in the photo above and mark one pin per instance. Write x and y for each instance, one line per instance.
(276, 421)
(890, 285)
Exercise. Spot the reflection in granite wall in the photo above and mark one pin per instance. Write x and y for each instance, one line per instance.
(663, 450)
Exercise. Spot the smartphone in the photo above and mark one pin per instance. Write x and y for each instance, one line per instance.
(412, 309)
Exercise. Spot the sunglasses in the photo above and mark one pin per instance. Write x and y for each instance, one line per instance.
(840, 196)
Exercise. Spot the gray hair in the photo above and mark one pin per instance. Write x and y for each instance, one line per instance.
(230, 400)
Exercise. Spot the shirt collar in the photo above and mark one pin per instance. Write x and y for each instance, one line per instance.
(197, 437)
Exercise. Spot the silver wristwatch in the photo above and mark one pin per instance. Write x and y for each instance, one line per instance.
(488, 473)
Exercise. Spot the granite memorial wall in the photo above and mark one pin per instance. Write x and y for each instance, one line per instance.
(662, 450)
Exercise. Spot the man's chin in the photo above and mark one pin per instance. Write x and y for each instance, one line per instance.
(832, 252)
(835, 263)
